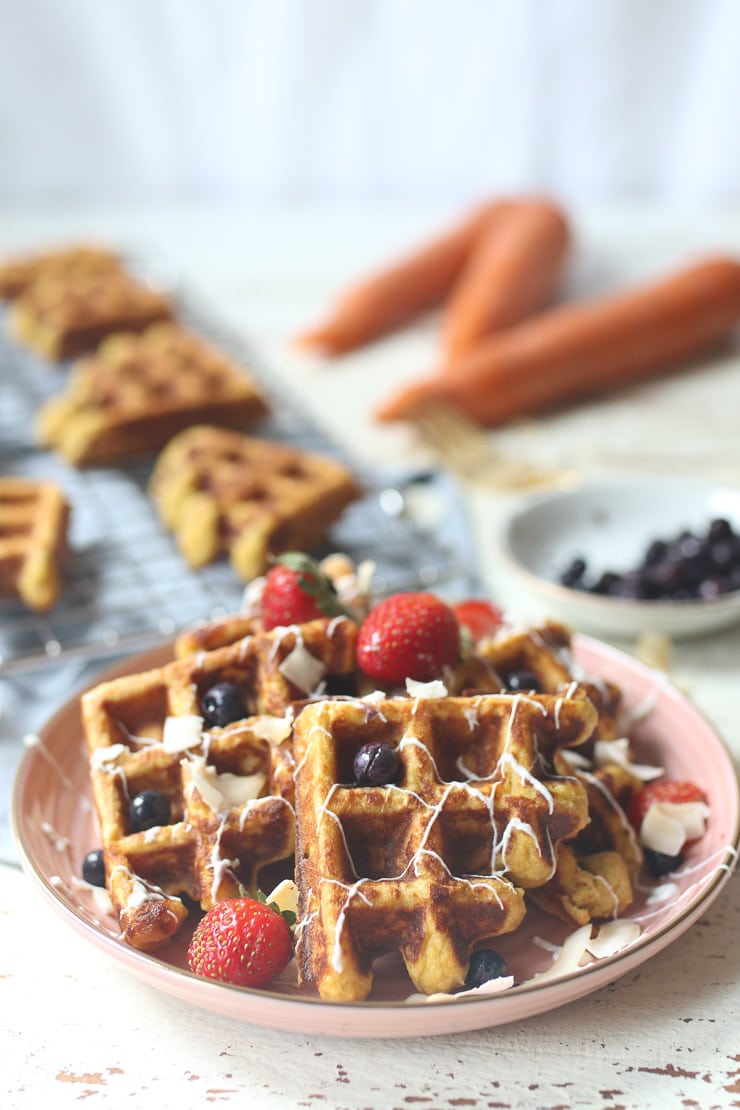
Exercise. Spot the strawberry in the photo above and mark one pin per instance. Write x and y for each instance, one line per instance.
(242, 941)
(295, 591)
(663, 790)
(478, 618)
(408, 636)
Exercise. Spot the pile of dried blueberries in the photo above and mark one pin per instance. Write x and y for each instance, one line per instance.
(692, 564)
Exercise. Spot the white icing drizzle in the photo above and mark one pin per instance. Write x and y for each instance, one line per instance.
(60, 843)
(32, 740)
(334, 624)
(612, 801)
(219, 866)
(610, 891)
(141, 890)
(507, 759)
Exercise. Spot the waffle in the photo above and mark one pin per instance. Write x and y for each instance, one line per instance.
(137, 391)
(18, 273)
(33, 541)
(594, 875)
(223, 492)
(223, 830)
(211, 635)
(595, 872)
(545, 652)
(436, 864)
(59, 316)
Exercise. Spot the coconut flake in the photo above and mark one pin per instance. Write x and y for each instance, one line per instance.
(181, 733)
(492, 986)
(434, 689)
(661, 832)
(618, 751)
(272, 729)
(285, 896)
(575, 759)
(222, 792)
(612, 937)
(102, 757)
(692, 815)
(302, 669)
(374, 697)
(668, 825)
(570, 955)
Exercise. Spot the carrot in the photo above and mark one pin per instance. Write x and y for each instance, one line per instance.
(394, 295)
(512, 272)
(584, 349)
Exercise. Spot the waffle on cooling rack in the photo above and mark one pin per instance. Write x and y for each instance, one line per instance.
(228, 789)
(33, 541)
(21, 271)
(137, 391)
(60, 315)
(436, 863)
(223, 492)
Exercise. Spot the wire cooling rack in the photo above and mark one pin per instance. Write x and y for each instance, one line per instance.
(127, 587)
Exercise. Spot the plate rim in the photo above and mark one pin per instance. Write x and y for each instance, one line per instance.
(421, 1019)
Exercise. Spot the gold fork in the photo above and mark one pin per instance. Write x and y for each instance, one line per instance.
(468, 452)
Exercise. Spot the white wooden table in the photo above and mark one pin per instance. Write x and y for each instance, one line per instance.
(75, 1026)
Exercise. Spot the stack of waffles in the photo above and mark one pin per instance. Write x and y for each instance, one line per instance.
(502, 799)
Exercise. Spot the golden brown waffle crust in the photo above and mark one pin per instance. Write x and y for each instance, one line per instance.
(222, 492)
(214, 845)
(34, 517)
(436, 863)
(61, 315)
(20, 272)
(139, 390)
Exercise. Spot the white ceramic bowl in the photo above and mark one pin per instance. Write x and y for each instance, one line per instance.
(610, 523)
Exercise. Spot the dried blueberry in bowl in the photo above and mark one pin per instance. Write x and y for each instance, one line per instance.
(691, 564)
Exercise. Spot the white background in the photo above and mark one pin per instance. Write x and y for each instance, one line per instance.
(368, 100)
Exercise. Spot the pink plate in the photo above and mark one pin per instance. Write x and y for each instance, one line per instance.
(55, 827)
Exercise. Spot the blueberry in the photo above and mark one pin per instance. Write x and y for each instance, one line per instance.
(720, 529)
(656, 553)
(722, 554)
(606, 583)
(149, 809)
(658, 863)
(523, 680)
(222, 704)
(573, 575)
(93, 868)
(484, 966)
(376, 765)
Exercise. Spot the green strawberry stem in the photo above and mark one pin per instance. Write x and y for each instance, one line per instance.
(314, 583)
